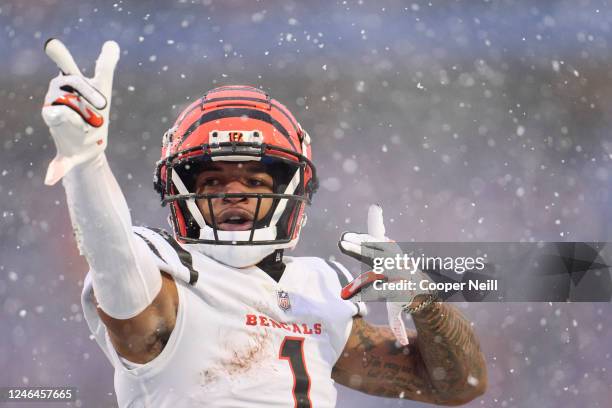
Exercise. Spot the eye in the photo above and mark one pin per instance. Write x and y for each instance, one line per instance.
(255, 182)
(209, 182)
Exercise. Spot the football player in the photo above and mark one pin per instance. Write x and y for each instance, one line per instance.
(213, 314)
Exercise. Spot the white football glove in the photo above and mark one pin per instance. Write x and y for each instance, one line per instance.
(366, 247)
(76, 108)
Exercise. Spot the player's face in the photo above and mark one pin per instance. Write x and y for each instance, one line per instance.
(234, 213)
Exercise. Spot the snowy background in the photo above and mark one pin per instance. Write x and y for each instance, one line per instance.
(467, 120)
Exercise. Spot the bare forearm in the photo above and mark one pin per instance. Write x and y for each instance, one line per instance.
(450, 352)
(441, 365)
(373, 364)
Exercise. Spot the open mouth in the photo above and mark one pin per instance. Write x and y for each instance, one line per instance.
(235, 219)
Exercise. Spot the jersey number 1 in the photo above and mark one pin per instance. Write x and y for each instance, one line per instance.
(292, 349)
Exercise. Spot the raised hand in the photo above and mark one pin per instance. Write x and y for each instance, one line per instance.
(76, 108)
(366, 247)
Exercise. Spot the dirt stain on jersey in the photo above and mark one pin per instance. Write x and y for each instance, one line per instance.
(208, 376)
(245, 356)
(244, 359)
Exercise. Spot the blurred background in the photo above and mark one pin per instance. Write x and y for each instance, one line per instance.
(467, 120)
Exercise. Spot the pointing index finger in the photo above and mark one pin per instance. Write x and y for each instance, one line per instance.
(58, 52)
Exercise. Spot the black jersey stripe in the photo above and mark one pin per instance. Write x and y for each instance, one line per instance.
(341, 276)
(151, 246)
(184, 256)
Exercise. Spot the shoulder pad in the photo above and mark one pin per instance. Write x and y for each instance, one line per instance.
(175, 260)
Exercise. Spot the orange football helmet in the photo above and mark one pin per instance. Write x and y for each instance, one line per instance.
(237, 123)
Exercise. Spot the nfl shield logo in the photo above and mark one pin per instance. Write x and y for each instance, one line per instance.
(283, 300)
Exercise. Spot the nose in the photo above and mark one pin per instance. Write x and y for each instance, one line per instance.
(234, 187)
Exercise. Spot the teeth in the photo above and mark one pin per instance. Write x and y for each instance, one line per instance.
(236, 219)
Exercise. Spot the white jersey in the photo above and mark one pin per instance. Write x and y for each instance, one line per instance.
(241, 339)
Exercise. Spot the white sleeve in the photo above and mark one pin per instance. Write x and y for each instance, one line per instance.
(124, 273)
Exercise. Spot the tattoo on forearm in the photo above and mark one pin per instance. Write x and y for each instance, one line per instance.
(442, 364)
(449, 348)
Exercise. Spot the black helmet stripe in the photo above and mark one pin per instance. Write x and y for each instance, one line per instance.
(244, 98)
(203, 102)
(236, 113)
